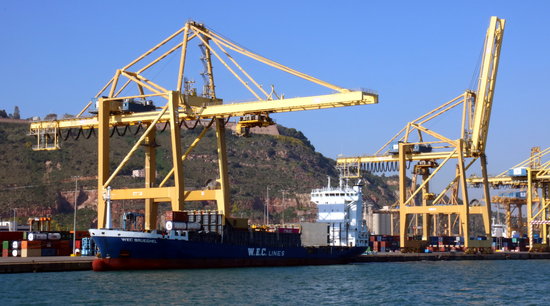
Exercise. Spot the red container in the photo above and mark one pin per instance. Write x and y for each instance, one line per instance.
(31, 245)
(11, 236)
(81, 234)
(64, 251)
(6, 253)
(176, 216)
(78, 244)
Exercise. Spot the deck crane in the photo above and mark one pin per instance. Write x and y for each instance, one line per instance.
(114, 109)
(430, 151)
(532, 176)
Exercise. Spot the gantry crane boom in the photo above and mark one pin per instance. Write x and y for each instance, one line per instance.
(430, 150)
(486, 85)
(114, 109)
(225, 110)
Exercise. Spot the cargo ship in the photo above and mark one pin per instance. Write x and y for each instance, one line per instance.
(200, 240)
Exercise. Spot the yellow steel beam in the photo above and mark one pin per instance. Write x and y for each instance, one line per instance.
(223, 200)
(177, 198)
(103, 149)
(441, 209)
(163, 194)
(151, 208)
(395, 157)
(486, 85)
(225, 110)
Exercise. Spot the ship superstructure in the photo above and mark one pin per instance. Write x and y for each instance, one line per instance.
(342, 208)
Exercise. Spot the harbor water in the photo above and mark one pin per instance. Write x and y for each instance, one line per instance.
(524, 282)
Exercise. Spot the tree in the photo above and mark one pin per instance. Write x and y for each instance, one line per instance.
(3, 113)
(16, 114)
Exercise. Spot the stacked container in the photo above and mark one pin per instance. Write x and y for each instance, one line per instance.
(384, 243)
(16, 248)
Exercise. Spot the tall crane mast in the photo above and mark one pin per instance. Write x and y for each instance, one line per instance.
(429, 151)
(114, 109)
(533, 176)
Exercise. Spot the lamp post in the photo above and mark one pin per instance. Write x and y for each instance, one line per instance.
(14, 227)
(267, 206)
(74, 216)
(284, 207)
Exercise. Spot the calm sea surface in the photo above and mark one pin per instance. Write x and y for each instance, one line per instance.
(458, 282)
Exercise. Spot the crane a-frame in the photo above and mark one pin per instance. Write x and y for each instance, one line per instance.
(114, 109)
(533, 176)
(430, 151)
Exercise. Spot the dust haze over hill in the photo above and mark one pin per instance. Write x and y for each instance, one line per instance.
(37, 183)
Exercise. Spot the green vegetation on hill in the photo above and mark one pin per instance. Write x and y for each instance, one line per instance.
(34, 181)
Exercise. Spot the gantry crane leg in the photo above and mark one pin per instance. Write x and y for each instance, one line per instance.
(544, 204)
(402, 196)
(177, 198)
(222, 197)
(151, 207)
(486, 212)
(425, 216)
(530, 208)
(465, 207)
(102, 159)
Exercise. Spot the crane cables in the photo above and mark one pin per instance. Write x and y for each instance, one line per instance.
(121, 131)
(78, 134)
(382, 166)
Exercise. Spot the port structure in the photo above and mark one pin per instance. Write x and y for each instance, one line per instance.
(427, 151)
(180, 105)
(531, 176)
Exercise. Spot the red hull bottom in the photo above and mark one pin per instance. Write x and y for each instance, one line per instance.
(107, 264)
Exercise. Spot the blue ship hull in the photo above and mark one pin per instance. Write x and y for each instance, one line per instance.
(123, 250)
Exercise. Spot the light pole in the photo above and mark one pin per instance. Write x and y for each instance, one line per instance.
(14, 227)
(283, 207)
(267, 206)
(74, 216)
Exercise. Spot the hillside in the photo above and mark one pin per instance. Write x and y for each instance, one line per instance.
(41, 183)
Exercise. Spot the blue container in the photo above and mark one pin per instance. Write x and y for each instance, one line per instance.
(520, 171)
(394, 147)
(49, 252)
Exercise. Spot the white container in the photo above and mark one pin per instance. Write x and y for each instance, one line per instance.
(37, 236)
(171, 225)
(54, 236)
(15, 253)
(16, 245)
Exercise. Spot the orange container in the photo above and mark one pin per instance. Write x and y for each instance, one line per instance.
(30, 245)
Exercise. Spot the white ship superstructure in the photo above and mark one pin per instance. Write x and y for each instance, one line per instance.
(342, 208)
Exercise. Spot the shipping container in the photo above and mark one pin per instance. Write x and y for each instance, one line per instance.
(49, 252)
(6, 245)
(176, 216)
(11, 236)
(25, 244)
(31, 252)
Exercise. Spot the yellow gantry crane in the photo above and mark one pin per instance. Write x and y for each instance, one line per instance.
(114, 109)
(533, 176)
(427, 151)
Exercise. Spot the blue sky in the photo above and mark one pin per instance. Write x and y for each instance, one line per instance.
(55, 55)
